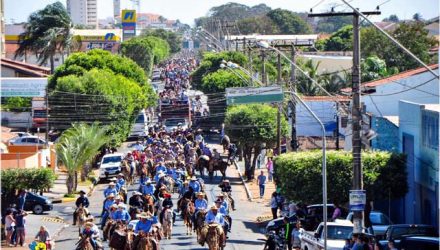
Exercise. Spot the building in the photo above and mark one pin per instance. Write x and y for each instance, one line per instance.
(83, 12)
(381, 97)
(419, 140)
(330, 62)
(12, 68)
(116, 8)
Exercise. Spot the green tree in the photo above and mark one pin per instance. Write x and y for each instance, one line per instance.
(341, 40)
(173, 39)
(417, 17)
(299, 175)
(77, 146)
(258, 25)
(333, 83)
(304, 84)
(251, 126)
(16, 103)
(332, 24)
(37, 179)
(146, 51)
(374, 68)
(219, 80)
(98, 95)
(289, 22)
(46, 33)
(392, 18)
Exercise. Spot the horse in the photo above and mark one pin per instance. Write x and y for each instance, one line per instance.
(202, 163)
(85, 244)
(123, 193)
(169, 183)
(145, 241)
(187, 208)
(81, 216)
(148, 203)
(220, 166)
(108, 228)
(225, 142)
(126, 171)
(167, 222)
(200, 222)
(121, 238)
(215, 237)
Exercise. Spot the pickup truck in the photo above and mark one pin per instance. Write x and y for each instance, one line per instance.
(337, 233)
(398, 232)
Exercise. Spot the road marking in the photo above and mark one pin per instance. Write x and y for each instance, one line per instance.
(55, 219)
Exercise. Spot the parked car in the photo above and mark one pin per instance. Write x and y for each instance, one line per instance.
(27, 140)
(337, 233)
(379, 220)
(278, 223)
(399, 231)
(110, 165)
(37, 203)
(315, 214)
(420, 242)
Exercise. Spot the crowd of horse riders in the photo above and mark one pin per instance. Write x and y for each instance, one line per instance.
(164, 163)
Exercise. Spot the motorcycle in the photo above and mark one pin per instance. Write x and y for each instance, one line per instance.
(275, 241)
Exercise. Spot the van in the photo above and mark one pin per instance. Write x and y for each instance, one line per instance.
(140, 126)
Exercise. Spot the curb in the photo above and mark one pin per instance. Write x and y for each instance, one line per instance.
(248, 192)
(71, 199)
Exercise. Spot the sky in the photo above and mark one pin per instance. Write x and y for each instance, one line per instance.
(187, 10)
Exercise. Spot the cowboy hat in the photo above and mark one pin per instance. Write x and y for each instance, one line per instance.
(218, 201)
(89, 224)
(220, 195)
(214, 207)
(200, 194)
(111, 195)
(143, 215)
(82, 192)
(136, 193)
(121, 174)
(112, 183)
(114, 206)
(113, 179)
(118, 197)
(193, 178)
(121, 205)
(225, 180)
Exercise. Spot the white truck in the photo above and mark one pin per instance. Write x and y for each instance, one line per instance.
(337, 233)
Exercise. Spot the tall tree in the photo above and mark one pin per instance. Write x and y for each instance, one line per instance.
(174, 39)
(289, 22)
(392, 18)
(46, 33)
(77, 146)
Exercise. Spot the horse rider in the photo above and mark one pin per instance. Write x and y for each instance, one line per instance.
(161, 167)
(215, 158)
(91, 232)
(214, 217)
(122, 214)
(167, 203)
(148, 188)
(120, 182)
(136, 200)
(131, 161)
(81, 201)
(227, 188)
(106, 209)
(199, 204)
(232, 151)
(95, 227)
(195, 184)
(184, 188)
(143, 179)
(144, 224)
(227, 218)
(111, 189)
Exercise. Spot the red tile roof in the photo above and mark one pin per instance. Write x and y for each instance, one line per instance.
(25, 68)
(390, 79)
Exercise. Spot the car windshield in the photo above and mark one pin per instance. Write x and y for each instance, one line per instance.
(39, 113)
(111, 159)
(403, 231)
(339, 233)
(174, 122)
(379, 219)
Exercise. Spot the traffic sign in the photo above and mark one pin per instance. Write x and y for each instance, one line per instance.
(358, 199)
(128, 16)
(246, 95)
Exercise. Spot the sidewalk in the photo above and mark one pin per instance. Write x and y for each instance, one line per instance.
(59, 189)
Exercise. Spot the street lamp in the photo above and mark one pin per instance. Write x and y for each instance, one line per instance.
(266, 45)
(226, 66)
(236, 66)
(210, 41)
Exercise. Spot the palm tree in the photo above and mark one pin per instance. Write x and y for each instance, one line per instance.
(77, 146)
(305, 85)
(46, 33)
(333, 83)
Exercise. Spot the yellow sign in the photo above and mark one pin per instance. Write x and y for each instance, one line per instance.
(128, 16)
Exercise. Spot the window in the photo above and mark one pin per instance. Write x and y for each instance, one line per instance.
(430, 129)
(31, 140)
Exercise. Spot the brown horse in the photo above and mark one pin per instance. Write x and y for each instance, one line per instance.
(85, 244)
(125, 169)
(121, 238)
(221, 166)
(225, 142)
(215, 237)
(148, 203)
(145, 241)
(187, 208)
(202, 163)
(108, 228)
(167, 224)
(200, 222)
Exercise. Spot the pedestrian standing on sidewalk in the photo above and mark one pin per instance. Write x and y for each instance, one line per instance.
(274, 205)
(261, 181)
(269, 166)
(9, 225)
(20, 222)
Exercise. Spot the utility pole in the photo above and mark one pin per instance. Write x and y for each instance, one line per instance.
(357, 183)
(250, 60)
(263, 67)
(279, 106)
(294, 140)
(337, 126)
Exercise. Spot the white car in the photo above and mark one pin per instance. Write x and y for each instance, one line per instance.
(27, 140)
(110, 165)
(174, 123)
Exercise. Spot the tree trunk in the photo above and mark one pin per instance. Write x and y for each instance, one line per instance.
(85, 172)
(75, 181)
(52, 64)
(247, 153)
(257, 151)
(69, 183)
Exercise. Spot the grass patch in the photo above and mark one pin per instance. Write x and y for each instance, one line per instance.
(69, 196)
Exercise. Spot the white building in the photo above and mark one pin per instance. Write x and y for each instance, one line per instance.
(116, 8)
(83, 12)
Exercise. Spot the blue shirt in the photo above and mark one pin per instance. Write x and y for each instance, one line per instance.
(143, 180)
(143, 226)
(120, 183)
(147, 189)
(195, 186)
(110, 190)
(122, 215)
(112, 215)
(161, 168)
(262, 180)
(200, 204)
(108, 203)
(214, 218)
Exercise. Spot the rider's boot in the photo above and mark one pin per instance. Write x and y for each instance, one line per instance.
(74, 218)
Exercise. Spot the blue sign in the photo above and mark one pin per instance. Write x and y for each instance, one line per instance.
(109, 36)
(358, 199)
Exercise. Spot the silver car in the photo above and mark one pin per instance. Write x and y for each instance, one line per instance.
(379, 221)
